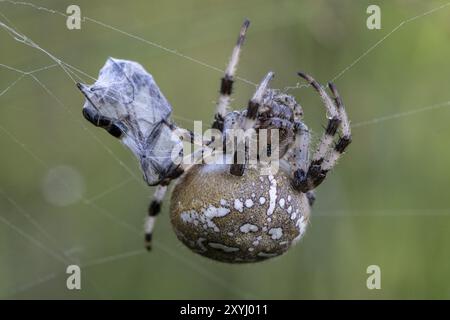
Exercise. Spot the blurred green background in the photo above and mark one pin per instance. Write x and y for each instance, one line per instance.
(387, 203)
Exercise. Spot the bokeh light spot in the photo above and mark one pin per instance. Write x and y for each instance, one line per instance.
(63, 186)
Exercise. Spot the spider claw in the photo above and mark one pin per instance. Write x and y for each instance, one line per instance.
(310, 80)
(336, 96)
(244, 28)
(305, 76)
(332, 87)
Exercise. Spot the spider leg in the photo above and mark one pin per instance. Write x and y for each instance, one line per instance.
(299, 159)
(334, 120)
(249, 121)
(311, 195)
(256, 101)
(155, 205)
(326, 154)
(226, 86)
(345, 140)
(300, 155)
(153, 210)
(158, 197)
(188, 135)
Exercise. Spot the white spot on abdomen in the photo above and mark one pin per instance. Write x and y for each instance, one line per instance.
(276, 233)
(246, 228)
(205, 218)
(249, 203)
(267, 255)
(222, 247)
(257, 240)
(188, 216)
(213, 212)
(272, 195)
(238, 205)
(294, 215)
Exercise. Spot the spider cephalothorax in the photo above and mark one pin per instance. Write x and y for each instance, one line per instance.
(228, 211)
(278, 111)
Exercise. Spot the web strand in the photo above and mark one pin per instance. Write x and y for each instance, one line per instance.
(400, 115)
(130, 35)
(374, 46)
(119, 222)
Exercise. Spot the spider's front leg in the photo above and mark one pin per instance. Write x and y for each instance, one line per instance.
(155, 205)
(326, 155)
(248, 122)
(226, 86)
(153, 210)
(346, 139)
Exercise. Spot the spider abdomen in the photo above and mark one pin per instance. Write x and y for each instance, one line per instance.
(237, 219)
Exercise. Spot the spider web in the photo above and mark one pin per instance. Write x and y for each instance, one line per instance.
(49, 244)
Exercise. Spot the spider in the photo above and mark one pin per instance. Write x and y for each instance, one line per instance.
(127, 103)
